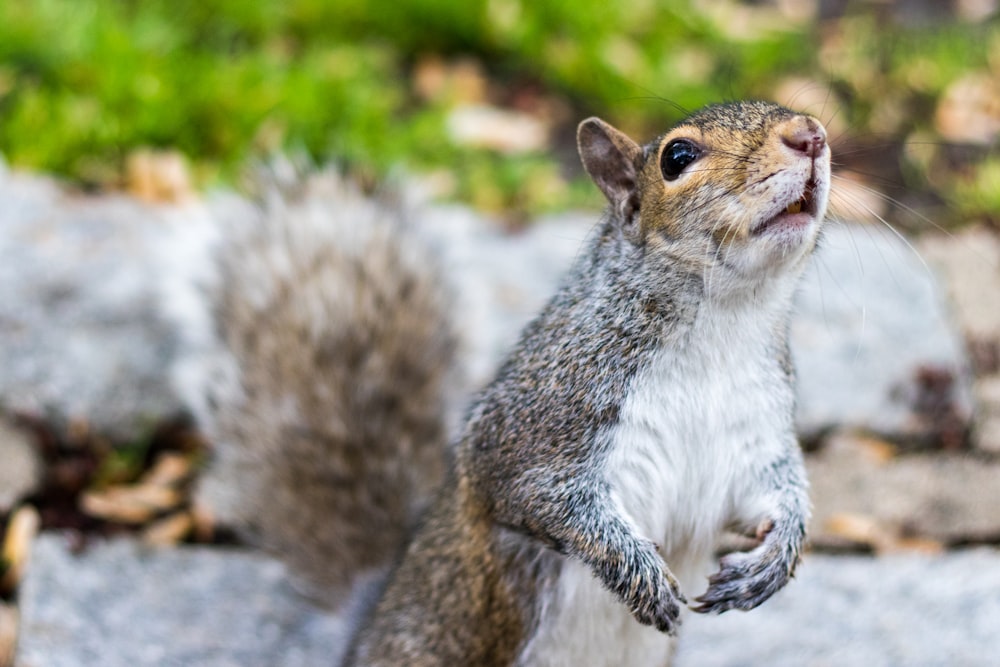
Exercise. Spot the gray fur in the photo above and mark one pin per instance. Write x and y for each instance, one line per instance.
(528, 488)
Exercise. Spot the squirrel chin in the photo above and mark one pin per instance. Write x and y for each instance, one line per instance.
(786, 224)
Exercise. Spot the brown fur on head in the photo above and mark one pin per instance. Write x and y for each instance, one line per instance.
(727, 179)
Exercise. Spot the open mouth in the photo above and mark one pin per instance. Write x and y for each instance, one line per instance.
(804, 203)
(798, 213)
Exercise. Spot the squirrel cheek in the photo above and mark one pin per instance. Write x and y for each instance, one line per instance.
(657, 217)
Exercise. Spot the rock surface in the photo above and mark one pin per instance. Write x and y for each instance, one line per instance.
(945, 498)
(119, 605)
(969, 263)
(894, 611)
(873, 342)
(81, 337)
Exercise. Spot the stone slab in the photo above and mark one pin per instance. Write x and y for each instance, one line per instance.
(122, 605)
(903, 610)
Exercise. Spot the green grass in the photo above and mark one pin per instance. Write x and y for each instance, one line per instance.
(85, 82)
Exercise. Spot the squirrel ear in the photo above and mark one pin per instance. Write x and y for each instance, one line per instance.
(612, 159)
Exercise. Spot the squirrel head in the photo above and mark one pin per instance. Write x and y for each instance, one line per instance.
(735, 190)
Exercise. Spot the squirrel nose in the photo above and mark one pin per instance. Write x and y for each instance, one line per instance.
(805, 135)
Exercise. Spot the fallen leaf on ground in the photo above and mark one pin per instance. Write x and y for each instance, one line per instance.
(170, 469)
(158, 176)
(133, 504)
(857, 528)
(168, 530)
(17, 546)
(497, 129)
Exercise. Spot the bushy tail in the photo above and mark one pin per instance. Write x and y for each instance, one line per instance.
(318, 374)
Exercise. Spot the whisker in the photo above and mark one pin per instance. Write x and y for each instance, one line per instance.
(885, 223)
(909, 209)
(869, 176)
(844, 291)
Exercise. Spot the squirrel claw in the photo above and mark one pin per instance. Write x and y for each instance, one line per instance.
(745, 580)
(663, 614)
(651, 592)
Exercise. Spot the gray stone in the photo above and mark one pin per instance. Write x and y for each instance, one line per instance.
(969, 263)
(120, 605)
(501, 280)
(80, 333)
(986, 431)
(21, 471)
(949, 498)
(903, 610)
(873, 343)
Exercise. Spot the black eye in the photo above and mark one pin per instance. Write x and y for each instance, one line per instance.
(678, 154)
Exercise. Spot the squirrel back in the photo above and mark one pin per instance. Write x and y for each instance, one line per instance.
(320, 380)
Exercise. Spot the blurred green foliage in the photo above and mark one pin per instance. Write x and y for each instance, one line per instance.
(85, 82)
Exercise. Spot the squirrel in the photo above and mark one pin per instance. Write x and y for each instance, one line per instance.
(645, 411)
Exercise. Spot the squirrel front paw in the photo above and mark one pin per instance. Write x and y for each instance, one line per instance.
(649, 589)
(745, 580)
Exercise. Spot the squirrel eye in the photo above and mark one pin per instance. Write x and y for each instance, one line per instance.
(678, 154)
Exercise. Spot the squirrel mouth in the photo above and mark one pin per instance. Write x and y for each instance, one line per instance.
(796, 214)
(805, 202)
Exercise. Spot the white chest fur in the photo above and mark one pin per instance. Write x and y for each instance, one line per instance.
(692, 425)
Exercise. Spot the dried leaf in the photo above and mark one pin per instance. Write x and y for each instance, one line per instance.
(854, 200)
(857, 528)
(876, 449)
(170, 469)
(969, 110)
(134, 504)
(158, 176)
(913, 544)
(21, 532)
(496, 129)
(168, 530)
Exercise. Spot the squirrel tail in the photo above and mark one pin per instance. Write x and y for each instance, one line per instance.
(318, 370)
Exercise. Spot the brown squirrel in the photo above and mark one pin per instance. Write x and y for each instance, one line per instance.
(646, 410)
